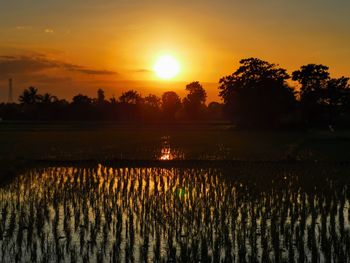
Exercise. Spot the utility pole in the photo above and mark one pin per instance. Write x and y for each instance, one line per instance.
(10, 97)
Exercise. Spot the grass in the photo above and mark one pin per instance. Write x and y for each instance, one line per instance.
(100, 141)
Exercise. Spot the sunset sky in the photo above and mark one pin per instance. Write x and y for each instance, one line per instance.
(67, 47)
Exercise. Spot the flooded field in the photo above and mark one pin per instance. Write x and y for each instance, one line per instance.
(82, 141)
(247, 212)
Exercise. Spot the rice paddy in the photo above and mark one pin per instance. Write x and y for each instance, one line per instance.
(104, 141)
(247, 212)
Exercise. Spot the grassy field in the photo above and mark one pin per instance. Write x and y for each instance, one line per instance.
(97, 141)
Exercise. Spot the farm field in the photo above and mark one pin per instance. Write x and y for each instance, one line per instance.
(103, 141)
(242, 213)
(101, 192)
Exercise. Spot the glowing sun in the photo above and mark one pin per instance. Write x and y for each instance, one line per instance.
(166, 67)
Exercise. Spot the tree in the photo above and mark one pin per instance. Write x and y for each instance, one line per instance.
(313, 80)
(257, 94)
(153, 101)
(194, 102)
(130, 106)
(113, 100)
(29, 96)
(100, 96)
(81, 100)
(171, 103)
(82, 108)
(151, 108)
(130, 97)
(47, 98)
(215, 110)
(336, 98)
(311, 77)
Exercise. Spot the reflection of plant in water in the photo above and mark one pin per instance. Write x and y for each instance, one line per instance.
(167, 152)
(249, 213)
(166, 149)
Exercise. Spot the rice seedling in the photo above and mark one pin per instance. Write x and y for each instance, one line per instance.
(297, 213)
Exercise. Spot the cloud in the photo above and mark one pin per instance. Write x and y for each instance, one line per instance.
(49, 31)
(24, 64)
(39, 63)
(7, 57)
(142, 70)
(84, 70)
(48, 79)
(23, 27)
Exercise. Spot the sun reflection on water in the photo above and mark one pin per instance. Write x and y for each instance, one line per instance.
(166, 154)
(167, 151)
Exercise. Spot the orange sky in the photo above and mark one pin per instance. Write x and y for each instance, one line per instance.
(67, 48)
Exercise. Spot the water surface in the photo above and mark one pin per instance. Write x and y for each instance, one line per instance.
(245, 213)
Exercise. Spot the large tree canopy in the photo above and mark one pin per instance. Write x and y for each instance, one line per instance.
(312, 78)
(321, 97)
(171, 103)
(130, 97)
(257, 94)
(194, 102)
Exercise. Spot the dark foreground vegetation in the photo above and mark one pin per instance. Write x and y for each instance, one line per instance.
(267, 212)
(257, 95)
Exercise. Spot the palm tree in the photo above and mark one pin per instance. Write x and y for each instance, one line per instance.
(47, 98)
(30, 96)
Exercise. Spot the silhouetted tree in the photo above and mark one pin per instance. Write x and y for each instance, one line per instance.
(130, 106)
(46, 107)
(151, 108)
(47, 98)
(194, 102)
(29, 96)
(336, 98)
(100, 96)
(215, 110)
(11, 111)
(171, 103)
(103, 106)
(257, 94)
(113, 100)
(82, 108)
(313, 80)
(58, 110)
(81, 100)
(153, 101)
(130, 97)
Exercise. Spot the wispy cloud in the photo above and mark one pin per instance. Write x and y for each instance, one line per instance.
(22, 27)
(49, 31)
(142, 70)
(40, 63)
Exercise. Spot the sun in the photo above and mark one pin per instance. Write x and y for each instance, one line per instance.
(166, 67)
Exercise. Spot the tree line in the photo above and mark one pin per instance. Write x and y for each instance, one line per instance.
(131, 106)
(257, 94)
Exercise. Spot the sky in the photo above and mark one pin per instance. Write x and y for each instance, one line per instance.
(68, 47)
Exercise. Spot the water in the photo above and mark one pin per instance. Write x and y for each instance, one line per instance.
(244, 213)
